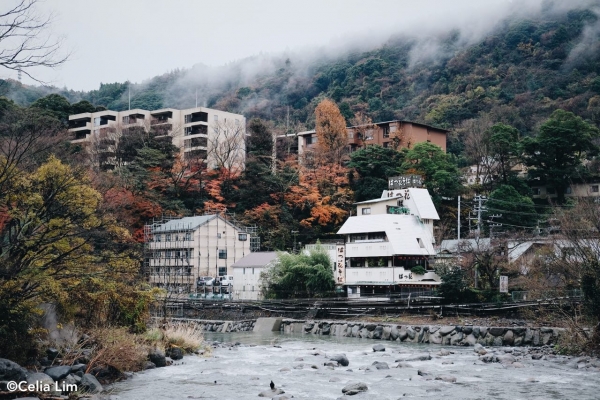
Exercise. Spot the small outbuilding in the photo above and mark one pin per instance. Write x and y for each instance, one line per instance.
(246, 274)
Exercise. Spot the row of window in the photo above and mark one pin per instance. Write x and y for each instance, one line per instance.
(244, 271)
(242, 237)
(568, 190)
(184, 254)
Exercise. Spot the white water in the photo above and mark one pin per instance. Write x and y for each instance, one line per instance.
(242, 372)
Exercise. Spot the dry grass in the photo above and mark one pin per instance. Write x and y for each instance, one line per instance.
(118, 348)
(187, 336)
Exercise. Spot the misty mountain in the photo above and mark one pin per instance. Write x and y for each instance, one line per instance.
(517, 74)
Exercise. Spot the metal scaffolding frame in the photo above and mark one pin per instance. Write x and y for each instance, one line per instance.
(174, 259)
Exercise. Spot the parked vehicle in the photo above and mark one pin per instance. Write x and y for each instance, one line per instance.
(227, 280)
(206, 281)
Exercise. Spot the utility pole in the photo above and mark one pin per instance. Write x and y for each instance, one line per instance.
(458, 229)
(479, 208)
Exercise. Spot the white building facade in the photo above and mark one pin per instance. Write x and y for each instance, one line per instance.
(389, 246)
(179, 251)
(218, 137)
(247, 272)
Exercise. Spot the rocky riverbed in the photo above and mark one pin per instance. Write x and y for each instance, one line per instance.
(330, 367)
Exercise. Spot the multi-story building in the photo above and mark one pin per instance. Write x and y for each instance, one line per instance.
(395, 134)
(218, 137)
(389, 246)
(179, 251)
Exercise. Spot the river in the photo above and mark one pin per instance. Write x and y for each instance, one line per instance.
(242, 372)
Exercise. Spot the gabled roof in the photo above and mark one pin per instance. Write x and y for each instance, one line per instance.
(424, 204)
(402, 232)
(187, 223)
(256, 259)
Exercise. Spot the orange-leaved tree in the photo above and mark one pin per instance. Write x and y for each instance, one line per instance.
(330, 126)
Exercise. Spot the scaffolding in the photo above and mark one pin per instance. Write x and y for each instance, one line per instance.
(177, 254)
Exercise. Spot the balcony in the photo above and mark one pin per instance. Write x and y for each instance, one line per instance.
(80, 135)
(387, 275)
(369, 248)
(196, 117)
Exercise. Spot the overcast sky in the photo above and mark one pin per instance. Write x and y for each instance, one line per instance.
(117, 40)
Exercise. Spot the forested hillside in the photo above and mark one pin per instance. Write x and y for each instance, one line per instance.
(518, 76)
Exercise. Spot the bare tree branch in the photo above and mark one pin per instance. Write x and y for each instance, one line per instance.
(24, 40)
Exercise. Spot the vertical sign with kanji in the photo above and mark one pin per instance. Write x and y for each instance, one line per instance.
(340, 264)
(503, 284)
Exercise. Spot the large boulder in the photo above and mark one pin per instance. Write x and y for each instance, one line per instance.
(58, 373)
(176, 353)
(158, 358)
(341, 359)
(90, 384)
(11, 371)
(378, 347)
(381, 365)
(42, 380)
(271, 393)
(355, 388)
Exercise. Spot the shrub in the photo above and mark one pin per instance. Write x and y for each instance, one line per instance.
(119, 349)
(418, 270)
(187, 336)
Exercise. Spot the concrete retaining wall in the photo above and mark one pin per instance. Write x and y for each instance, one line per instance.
(220, 326)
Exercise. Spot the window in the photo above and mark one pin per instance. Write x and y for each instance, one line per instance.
(386, 144)
(126, 120)
(536, 191)
(188, 119)
(218, 236)
(243, 271)
(216, 118)
(594, 188)
(242, 237)
(97, 121)
(244, 288)
(168, 239)
(386, 131)
(252, 271)
(237, 122)
(421, 244)
(366, 211)
(568, 190)
(222, 254)
(222, 271)
(168, 254)
(157, 238)
(188, 236)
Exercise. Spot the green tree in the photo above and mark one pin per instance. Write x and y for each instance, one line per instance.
(299, 276)
(54, 105)
(374, 165)
(517, 211)
(438, 169)
(556, 154)
(504, 148)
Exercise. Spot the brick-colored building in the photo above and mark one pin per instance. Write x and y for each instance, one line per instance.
(395, 134)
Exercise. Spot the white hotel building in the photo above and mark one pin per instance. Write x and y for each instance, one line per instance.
(387, 239)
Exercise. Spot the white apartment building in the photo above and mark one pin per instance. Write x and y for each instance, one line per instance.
(387, 239)
(179, 251)
(247, 274)
(218, 137)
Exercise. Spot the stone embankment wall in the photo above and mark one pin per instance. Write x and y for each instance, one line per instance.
(434, 334)
(219, 326)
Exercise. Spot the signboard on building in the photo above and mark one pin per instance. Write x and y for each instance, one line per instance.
(503, 284)
(405, 181)
(340, 264)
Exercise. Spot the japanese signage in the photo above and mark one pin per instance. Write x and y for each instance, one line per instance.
(503, 284)
(405, 181)
(340, 264)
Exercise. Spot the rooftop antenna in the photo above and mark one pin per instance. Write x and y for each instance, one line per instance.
(129, 92)
(196, 97)
(19, 75)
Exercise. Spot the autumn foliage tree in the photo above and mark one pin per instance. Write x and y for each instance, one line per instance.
(330, 127)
